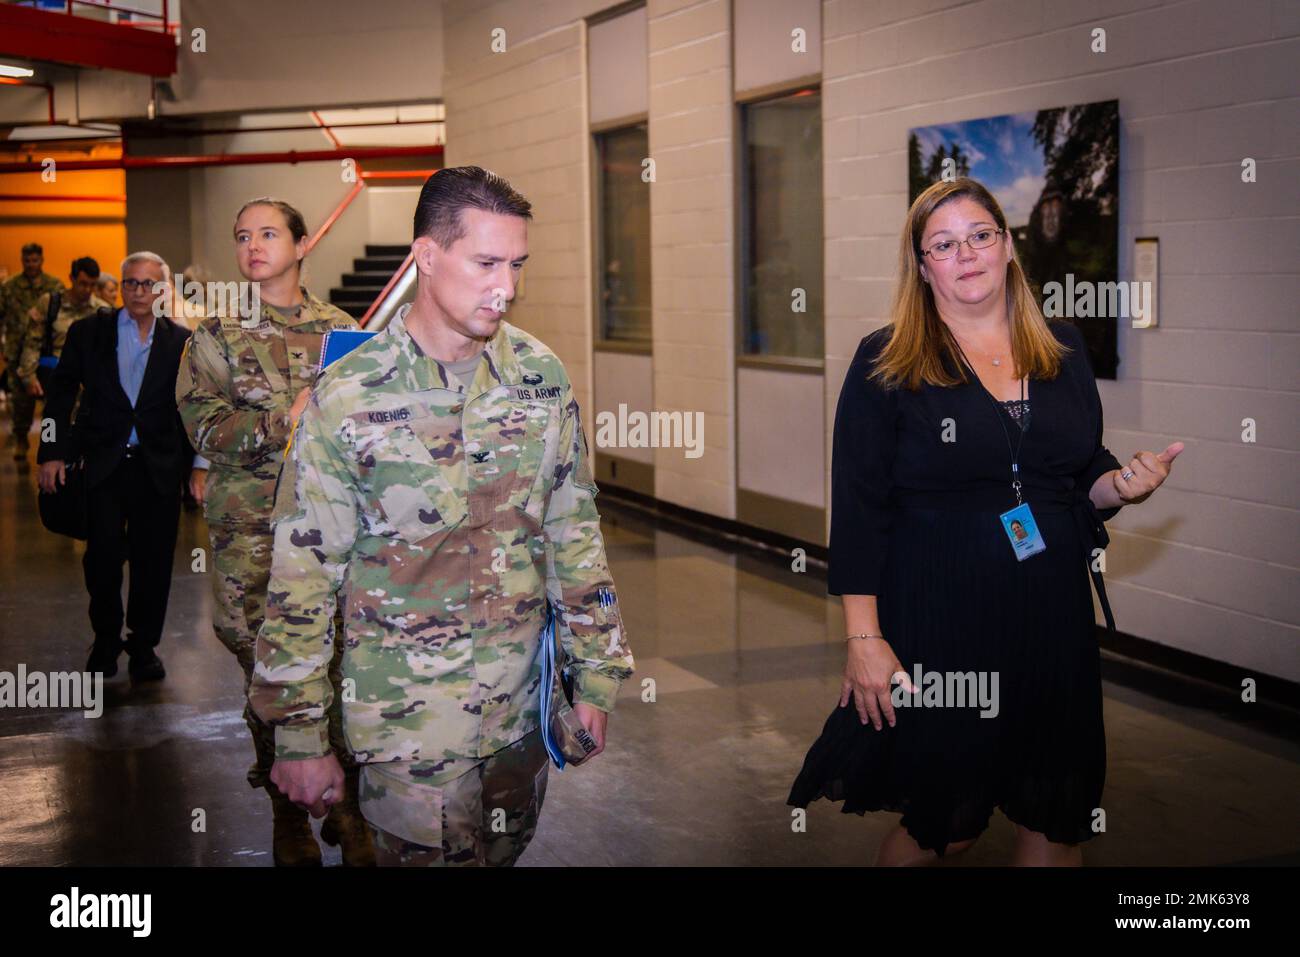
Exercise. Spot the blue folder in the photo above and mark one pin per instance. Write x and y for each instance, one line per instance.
(548, 678)
(339, 342)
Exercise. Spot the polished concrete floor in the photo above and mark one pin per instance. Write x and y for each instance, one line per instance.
(745, 655)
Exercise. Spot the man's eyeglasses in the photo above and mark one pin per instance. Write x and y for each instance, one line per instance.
(130, 285)
(946, 249)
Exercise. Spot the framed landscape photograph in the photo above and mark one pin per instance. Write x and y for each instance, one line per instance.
(1056, 174)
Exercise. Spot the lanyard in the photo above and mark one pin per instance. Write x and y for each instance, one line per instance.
(1015, 455)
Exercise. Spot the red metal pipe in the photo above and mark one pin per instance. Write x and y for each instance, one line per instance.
(333, 217)
(63, 198)
(297, 127)
(398, 174)
(231, 159)
(49, 89)
(321, 123)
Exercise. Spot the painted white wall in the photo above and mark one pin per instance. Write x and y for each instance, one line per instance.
(765, 36)
(780, 445)
(625, 378)
(616, 54)
(391, 211)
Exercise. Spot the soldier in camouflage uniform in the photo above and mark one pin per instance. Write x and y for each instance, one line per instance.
(75, 303)
(236, 393)
(445, 501)
(17, 297)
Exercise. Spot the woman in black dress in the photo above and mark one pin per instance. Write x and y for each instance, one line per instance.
(996, 635)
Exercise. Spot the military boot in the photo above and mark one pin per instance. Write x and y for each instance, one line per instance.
(292, 842)
(345, 825)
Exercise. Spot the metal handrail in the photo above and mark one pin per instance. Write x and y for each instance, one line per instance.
(164, 21)
(384, 307)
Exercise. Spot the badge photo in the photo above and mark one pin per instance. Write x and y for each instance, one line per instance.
(1022, 532)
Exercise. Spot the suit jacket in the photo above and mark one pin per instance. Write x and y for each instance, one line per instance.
(105, 417)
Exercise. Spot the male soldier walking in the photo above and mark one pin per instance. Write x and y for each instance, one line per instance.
(17, 297)
(74, 304)
(439, 476)
(243, 382)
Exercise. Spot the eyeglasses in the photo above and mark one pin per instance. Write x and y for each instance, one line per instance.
(130, 285)
(946, 249)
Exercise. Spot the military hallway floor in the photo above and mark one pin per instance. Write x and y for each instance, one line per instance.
(745, 656)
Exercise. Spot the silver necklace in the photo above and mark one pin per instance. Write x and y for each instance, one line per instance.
(994, 359)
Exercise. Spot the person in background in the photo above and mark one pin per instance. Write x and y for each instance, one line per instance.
(52, 317)
(245, 380)
(106, 289)
(136, 458)
(17, 297)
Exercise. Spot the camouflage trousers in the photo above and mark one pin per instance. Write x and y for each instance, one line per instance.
(22, 407)
(485, 816)
(241, 572)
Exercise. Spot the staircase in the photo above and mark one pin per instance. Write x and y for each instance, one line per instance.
(369, 276)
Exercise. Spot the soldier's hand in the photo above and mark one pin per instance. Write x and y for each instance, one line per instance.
(198, 483)
(313, 783)
(299, 404)
(593, 719)
(34, 389)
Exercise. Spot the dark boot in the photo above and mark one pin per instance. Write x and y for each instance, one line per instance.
(345, 825)
(146, 666)
(292, 843)
(103, 656)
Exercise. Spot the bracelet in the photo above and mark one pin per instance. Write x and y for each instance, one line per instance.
(851, 637)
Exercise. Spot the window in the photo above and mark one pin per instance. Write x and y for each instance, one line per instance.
(781, 235)
(623, 204)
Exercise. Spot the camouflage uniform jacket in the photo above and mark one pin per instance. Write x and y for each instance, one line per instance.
(237, 381)
(445, 516)
(18, 295)
(69, 312)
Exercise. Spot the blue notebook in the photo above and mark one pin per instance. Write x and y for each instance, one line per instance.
(338, 343)
(548, 679)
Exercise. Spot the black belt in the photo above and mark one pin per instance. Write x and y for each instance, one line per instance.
(1092, 530)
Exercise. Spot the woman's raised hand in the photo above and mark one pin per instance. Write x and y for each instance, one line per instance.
(1149, 471)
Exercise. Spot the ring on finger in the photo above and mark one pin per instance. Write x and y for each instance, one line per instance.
(1126, 474)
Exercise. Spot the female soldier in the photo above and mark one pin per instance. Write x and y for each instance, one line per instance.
(243, 382)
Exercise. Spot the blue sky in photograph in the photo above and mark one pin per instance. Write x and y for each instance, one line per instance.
(1003, 156)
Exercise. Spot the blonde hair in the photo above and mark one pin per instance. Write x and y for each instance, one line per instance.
(921, 349)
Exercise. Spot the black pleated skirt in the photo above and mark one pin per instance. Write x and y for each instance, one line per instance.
(955, 600)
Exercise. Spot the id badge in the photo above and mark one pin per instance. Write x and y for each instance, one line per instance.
(1022, 532)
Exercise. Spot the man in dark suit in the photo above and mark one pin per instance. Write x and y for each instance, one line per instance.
(136, 454)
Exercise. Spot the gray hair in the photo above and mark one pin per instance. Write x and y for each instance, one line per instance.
(106, 277)
(146, 256)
